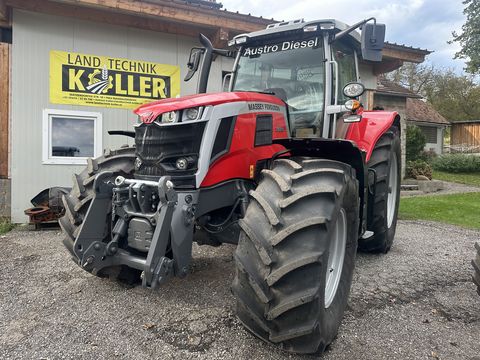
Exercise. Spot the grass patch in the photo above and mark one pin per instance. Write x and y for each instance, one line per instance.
(462, 178)
(456, 209)
(5, 226)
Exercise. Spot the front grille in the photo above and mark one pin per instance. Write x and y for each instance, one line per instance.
(159, 147)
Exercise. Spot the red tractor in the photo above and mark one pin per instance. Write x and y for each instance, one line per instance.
(287, 164)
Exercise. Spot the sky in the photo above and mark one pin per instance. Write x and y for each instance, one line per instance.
(427, 24)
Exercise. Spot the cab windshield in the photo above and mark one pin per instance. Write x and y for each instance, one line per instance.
(292, 70)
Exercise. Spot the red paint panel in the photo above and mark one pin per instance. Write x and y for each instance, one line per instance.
(242, 155)
(149, 112)
(367, 132)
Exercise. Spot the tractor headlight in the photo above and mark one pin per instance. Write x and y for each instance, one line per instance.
(191, 114)
(353, 90)
(169, 117)
(181, 164)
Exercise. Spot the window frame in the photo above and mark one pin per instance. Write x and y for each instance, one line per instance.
(48, 158)
(343, 45)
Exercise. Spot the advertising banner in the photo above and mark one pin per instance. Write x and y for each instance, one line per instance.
(91, 80)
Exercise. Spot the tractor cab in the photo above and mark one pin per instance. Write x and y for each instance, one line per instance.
(307, 65)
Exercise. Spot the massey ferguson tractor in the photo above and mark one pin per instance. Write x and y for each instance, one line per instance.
(286, 164)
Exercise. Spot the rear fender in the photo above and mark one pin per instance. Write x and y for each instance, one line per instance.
(334, 149)
(373, 125)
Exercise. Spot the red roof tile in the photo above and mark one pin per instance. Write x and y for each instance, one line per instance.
(422, 111)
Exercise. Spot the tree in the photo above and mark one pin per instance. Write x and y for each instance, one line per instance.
(414, 77)
(469, 39)
(415, 144)
(455, 97)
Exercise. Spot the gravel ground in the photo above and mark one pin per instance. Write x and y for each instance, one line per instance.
(448, 188)
(455, 188)
(417, 302)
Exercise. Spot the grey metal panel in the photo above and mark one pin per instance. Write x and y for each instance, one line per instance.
(34, 35)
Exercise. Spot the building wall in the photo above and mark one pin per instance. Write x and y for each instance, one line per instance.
(433, 135)
(466, 135)
(367, 77)
(34, 35)
(5, 198)
(438, 147)
(398, 104)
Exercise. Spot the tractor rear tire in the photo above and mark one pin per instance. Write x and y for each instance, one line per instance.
(296, 215)
(476, 268)
(386, 161)
(77, 202)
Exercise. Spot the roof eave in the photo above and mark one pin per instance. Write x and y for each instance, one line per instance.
(429, 122)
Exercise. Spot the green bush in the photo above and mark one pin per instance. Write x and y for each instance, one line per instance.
(5, 226)
(428, 156)
(417, 168)
(457, 163)
(415, 144)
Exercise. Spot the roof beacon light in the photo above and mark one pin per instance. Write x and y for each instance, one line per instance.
(310, 28)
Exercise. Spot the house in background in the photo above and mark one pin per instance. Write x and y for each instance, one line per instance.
(412, 108)
(433, 125)
(391, 96)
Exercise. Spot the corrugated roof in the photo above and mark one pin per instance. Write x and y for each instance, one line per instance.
(422, 111)
(403, 47)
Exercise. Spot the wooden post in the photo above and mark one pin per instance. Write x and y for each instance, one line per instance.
(4, 107)
(368, 99)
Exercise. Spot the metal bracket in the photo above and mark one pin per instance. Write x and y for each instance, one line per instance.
(156, 267)
(88, 245)
(163, 271)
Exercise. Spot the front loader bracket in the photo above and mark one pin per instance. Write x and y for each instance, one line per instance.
(118, 201)
(88, 245)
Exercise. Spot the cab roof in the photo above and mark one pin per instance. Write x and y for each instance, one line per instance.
(297, 26)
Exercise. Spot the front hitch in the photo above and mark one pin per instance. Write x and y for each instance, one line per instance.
(172, 219)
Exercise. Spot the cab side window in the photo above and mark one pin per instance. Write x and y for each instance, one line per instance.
(345, 58)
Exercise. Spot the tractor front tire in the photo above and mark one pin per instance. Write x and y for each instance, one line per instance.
(296, 253)
(77, 202)
(476, 268)
(382, 220)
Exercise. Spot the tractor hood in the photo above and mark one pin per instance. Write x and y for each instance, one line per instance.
(149, 112)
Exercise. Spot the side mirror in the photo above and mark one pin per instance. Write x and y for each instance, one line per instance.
(193, 62)
(373, 39)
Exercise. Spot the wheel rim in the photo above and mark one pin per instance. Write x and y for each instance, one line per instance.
(392, 190)
(336, 255)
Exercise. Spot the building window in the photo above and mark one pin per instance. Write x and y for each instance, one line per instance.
(70, 137)
(430, 133)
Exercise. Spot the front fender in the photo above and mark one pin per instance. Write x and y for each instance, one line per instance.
(373, 125)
